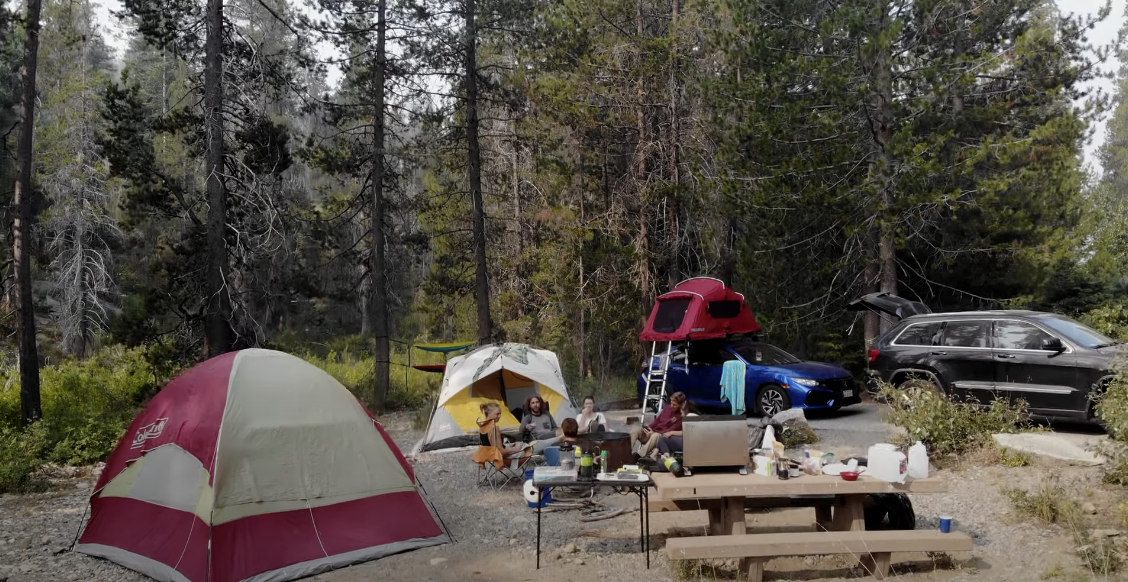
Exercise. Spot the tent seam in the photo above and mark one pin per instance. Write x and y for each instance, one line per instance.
(315, 532)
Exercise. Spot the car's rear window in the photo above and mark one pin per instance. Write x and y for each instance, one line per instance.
(918, 334)
(966, 334)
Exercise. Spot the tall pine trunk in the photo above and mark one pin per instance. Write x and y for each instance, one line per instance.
(882, 170)
(675, 143)
(378, 281)
(30, 406)
(481, 276)
(217, 322)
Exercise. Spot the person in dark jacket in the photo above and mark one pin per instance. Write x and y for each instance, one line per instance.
(538, 421)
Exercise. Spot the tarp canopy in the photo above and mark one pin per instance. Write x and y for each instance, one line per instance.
(507, 374)
(697, 309)
(444, 348)
(255, 465)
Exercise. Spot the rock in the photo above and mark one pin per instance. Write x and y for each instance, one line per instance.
(27, 567)
(25, 544)
(1089, 508)
(1074, 449)
(46, 540)
(1105, 533)
(83, 485)
(580, 562)
(437, 561)
(570, 548)
(512, 542)
(58, 550)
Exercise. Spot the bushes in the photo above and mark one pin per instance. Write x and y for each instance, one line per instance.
(87, 406)
(1112, 409)
(947, 426)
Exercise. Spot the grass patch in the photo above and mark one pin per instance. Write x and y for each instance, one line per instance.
(947, 426)
(1056, 571)
(702, 569)
(1048, 504)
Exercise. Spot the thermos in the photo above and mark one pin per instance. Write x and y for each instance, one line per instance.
(673, 466)
(586, 466)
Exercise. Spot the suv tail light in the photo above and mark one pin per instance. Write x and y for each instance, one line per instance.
(873, 354)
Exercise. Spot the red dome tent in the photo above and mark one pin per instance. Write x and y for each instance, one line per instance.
(697, 309)
(255, 465)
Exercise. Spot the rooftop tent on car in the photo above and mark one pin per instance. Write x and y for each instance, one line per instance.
(697, 309)
(888, 304)
(700, 308)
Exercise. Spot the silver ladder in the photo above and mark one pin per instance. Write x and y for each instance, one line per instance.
(656, 379)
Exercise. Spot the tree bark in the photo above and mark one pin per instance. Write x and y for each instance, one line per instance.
(883, 172)
(217, 321)
(481, 275)
(30, 406)
(642, 240)
(675, 137)
(378, 281)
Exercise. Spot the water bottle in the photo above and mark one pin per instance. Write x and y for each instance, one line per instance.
(604, 462)
(673, 466)
(918, 461)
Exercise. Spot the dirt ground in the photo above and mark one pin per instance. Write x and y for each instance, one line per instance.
(495, 533)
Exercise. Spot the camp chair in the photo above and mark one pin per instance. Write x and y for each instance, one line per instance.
(493, 468)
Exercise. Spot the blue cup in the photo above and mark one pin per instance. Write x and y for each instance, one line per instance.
(552, 456)
(945, 524)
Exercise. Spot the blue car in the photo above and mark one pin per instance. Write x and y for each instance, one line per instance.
(775, 380)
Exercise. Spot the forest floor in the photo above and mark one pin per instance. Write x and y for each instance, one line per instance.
(496, 531)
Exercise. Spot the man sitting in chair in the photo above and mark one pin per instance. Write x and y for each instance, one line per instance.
(664, 435)
(537, 421)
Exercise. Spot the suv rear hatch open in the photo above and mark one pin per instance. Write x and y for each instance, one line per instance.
(888, 304)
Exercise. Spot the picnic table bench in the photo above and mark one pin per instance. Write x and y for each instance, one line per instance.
(839, 511)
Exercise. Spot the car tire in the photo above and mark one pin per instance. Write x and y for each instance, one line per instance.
(771, 400)
(924, 382)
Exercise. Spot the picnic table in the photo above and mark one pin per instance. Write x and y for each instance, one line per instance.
(839, 515)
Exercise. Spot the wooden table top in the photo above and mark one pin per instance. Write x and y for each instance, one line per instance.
(718, 485)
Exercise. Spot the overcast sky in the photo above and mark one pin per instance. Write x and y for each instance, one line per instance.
(1104, 33)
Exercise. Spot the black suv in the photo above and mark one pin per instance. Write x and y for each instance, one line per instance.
(1050, 361)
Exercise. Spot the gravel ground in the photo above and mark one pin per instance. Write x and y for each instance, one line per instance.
(496, 532)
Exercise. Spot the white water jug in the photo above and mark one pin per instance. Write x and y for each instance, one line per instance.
(887, 465)
(918, 461)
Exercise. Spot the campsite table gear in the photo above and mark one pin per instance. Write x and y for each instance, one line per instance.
(616, 444)
(640, 488)
(946, 524)
(839, 506)
(586, 466)
(552, 456)
(532, 496)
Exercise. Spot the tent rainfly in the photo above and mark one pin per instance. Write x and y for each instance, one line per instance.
(698, 309)
(508, 374)
(253, 466)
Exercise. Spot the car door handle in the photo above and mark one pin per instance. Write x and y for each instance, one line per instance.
(939, 353)
(1005, 356)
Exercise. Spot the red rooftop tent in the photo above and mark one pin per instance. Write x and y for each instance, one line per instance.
(255, 466)
(698, 309)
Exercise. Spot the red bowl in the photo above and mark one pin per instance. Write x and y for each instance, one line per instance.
(850, 475)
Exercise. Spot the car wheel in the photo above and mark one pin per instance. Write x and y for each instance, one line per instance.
(922, 382)
(771, 400)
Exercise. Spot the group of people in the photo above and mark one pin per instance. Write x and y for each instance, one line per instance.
(537, 426)
(662, 436)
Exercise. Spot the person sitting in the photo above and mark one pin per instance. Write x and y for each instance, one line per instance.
(569, 430)
(590, 420)
(537, 422)
(664, 434)
(493, 449)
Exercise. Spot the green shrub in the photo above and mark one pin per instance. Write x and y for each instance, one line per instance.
(87, 406)
(21, 454)
(1112, 409)
(947, 426)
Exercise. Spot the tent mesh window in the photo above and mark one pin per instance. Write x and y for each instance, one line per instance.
(724, 309)
(671, 312)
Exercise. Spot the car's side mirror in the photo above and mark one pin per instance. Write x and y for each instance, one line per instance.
(1052, 344)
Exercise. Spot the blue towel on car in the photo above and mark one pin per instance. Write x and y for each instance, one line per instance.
(732, 384)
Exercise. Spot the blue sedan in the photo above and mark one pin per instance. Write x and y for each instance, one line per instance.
(775, 380)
